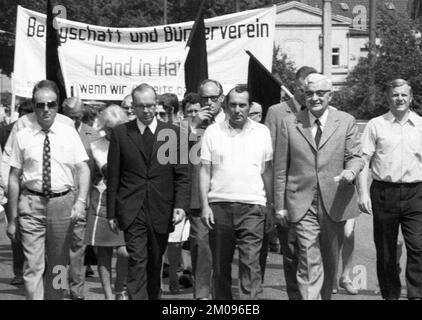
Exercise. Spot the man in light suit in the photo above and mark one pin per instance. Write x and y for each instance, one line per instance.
(317, 159)
(146, 194)
(275, 115)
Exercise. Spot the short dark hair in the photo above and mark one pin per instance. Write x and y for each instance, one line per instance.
(169, 101)
(143, 87)
(240, 88)
(305, 71)
(46, 84)
(191, 97)
(204, 82)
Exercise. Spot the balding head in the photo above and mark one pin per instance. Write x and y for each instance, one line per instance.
(73, 108)
(320, 81)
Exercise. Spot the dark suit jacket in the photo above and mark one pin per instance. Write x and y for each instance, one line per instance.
(4, 134)
(135, 181)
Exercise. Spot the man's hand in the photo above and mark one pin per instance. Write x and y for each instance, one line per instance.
(207, 217)
(11, 230)
(365, 204)
(178, 216)
(114, 226)
(281, 218)
(346, 176)
(78, 211)
(205, 114)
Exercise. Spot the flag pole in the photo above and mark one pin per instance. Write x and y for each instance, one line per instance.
(287, 91)
(187, 48)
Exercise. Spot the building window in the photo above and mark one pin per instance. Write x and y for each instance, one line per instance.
(336, 57)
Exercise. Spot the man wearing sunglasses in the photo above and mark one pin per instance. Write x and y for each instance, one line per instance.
(45, 158)
(317, 159)
(211, 99)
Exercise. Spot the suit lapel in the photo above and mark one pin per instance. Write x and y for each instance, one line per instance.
(304, 126)
(330, 127)
(136, 137)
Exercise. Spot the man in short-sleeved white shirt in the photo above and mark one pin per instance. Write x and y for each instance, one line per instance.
(235, 186)
(46, 159)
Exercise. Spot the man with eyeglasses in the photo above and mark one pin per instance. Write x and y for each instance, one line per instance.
(145, 196)
(316, 161)
(73, 108)
(127, 106)
(211, 100)
(45, 157)
(255, 112)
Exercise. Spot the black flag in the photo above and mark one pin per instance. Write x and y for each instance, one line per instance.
(196, 65)
(263, 87)
(53, 70)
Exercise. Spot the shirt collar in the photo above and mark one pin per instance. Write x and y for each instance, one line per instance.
(249, 125)
(221, 116)
(53, 129)
(412, 119)
(322, 119)
(152, 126)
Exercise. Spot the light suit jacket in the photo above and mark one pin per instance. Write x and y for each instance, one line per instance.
(299, 166)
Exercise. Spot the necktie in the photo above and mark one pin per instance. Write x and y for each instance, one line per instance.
(148, 141)
(46, 167)
(318, 133)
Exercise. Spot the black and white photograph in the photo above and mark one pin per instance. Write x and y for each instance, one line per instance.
(235, 151)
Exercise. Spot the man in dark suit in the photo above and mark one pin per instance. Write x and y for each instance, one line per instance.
(146, 194)
(73, 108)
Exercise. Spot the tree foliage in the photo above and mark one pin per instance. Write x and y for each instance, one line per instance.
(284, 69)
(398, 55)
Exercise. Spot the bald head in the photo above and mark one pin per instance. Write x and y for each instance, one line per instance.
(73, 108)
(320, 81)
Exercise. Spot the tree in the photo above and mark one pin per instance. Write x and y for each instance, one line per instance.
(284, 69)
(398, 55)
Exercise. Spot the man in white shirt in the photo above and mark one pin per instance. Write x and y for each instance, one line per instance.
(235, 185)
(45, 156)
(392, 144)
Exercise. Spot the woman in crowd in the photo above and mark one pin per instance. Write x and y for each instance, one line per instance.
(98, 232)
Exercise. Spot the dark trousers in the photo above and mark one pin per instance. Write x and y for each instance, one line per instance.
(242, 225)
(288, 245)
(17, 252)
(200, 255)
(145, 248)
(397, 205)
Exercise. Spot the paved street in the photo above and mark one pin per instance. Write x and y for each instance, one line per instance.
(274, 286)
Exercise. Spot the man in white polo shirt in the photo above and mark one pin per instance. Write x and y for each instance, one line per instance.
(235, 183)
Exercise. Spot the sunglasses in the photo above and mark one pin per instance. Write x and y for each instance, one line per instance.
(161, 114)
(49, 105)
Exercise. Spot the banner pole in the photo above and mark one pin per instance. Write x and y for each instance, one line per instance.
(182, 66)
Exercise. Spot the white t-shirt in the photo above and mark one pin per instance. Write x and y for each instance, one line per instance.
(237, 160)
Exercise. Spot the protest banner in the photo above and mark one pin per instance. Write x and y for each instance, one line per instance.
(105, 63)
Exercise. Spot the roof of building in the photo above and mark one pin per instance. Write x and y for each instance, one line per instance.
(345, 7)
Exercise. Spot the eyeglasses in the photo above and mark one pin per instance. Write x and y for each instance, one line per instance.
(254, 114)
(49, 105)
(192, 111)
(212, 98)
(319, 93)
(161, 114)
(145, 106)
